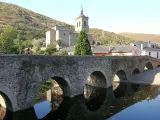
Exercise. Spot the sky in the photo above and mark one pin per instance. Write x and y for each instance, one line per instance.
(139, 16)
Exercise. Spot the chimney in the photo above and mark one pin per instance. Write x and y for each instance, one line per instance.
(141, 46)
(149, 42)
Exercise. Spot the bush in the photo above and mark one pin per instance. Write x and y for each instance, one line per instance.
(50, 49)
(60, 53)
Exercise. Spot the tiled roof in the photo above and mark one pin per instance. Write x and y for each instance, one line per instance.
(151, 49)
(105, 49)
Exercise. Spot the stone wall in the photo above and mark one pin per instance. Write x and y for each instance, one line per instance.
(21, 76)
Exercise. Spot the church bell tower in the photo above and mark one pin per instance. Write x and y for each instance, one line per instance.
(81, 22)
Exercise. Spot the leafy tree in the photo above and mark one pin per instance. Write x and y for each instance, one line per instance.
(27, 44)
(60, 53)
(37, 44)
(18, 44)
(42, 52)
(7, 38)
(83, 46)
(58, 42)
(50, 49)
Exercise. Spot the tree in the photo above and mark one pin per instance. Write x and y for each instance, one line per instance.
(60, 53)
(37, 44)
(50, 49)
(18, 44)
(7, 38)
(83, 46)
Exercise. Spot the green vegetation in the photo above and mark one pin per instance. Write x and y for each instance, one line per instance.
(8, 42)
(60, 53)
(109, 38)
(46, 86)
(42, 92)
(11, 43)
(32, 25)
(28, 23)
(83, 46)
(154, 38)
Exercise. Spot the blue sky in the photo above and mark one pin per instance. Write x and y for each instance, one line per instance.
(142, 16)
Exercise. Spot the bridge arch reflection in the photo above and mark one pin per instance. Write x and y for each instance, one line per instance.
(135, 87)
(94, 90)
(120, 83)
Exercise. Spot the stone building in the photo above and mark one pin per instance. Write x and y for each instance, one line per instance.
(66, 36)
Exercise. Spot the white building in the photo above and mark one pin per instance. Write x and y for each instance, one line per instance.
(153, 52)
(67, 36)
(148, 49)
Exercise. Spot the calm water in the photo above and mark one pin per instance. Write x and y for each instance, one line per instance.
(99, 104)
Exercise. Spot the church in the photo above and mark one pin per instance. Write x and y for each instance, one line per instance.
(66, 36)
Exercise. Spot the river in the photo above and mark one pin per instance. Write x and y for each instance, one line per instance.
(97, 104)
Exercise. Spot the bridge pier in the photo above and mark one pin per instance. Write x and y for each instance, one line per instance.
(150, 77)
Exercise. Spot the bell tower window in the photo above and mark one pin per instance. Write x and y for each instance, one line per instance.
(84, 23)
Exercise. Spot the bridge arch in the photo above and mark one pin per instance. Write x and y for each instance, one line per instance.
(63, 85)
(95, 91)
(135, 87)
(148, 66)
(136, 71)
(97, 79)
(120, 83)
(55, 90)
(49, 82)
(9, 99)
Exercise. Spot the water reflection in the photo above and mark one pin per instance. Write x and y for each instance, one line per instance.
(42, 109)
(94, 97)
(97, 107)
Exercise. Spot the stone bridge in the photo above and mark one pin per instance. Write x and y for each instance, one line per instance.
(21, 76)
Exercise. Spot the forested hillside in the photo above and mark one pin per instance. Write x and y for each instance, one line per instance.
(32, 25)
(154, 38)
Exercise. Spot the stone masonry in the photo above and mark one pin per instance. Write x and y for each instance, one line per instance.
(21, 76)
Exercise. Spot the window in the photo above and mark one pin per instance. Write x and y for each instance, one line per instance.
(149, 53)
(64, 34)
(157, 55)
(79, 23)
(84, 23)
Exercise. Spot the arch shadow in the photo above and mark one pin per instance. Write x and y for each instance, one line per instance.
(120, 84)
(63, 85)
(148, 66)
(135, 87)
(5, 106)
(10, 98)
(96, 79)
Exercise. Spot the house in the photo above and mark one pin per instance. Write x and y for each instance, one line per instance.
(148, 48)
(116, 51)
(99, 50)
(153, 52)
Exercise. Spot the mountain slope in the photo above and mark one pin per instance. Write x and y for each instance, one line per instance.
(155, 38)
(25, 20)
